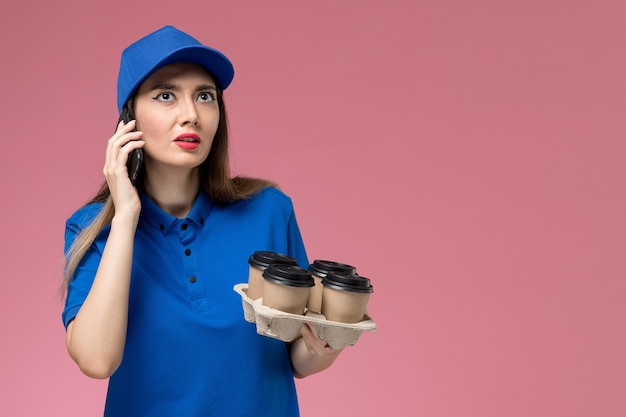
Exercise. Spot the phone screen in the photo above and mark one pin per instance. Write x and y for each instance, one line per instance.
(135, 158)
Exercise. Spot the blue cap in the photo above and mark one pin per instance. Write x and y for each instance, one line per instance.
(167, 45)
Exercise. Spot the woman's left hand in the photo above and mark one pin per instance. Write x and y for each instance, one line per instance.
(314, 344)
(310, 354)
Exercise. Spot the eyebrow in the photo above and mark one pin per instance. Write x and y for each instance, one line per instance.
(174, 87)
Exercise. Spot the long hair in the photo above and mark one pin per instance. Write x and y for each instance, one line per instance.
(215, 180)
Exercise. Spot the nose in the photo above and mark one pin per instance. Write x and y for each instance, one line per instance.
(187, 113)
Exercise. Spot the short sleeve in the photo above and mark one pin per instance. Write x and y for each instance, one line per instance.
(80, 283)
(295, 242)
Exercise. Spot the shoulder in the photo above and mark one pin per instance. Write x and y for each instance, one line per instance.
(272, 194)
(85, 215)
(269, 201)
(272, 199)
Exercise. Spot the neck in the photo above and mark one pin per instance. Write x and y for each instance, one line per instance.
(174, 192)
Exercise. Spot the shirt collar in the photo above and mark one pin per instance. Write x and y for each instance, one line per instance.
(154, 215)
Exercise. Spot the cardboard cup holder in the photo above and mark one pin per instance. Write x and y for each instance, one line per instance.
(286, 326)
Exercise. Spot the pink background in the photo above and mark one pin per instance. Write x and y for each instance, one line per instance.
(468, 157)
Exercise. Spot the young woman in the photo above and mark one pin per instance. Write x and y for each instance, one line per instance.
(151, 268)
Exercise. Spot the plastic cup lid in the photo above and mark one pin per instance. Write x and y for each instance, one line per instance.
(291, 275)
(345, 282)
(263, 259)
(322, 267)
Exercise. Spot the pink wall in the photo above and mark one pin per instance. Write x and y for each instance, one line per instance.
(468, 157)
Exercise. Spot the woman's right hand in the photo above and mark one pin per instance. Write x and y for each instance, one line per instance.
(97, 335)
(120, 145)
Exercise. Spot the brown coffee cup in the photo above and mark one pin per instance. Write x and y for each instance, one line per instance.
(319, 269)
(345, 297)
(259, 261)
(286, 288)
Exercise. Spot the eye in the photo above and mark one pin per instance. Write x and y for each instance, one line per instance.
(164, 96)
(206, 97)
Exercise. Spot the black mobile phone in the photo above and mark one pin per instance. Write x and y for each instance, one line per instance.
(135, 158)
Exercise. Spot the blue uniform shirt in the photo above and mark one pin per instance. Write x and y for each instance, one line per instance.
(189, 351)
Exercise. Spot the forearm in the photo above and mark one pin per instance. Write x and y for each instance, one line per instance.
(96, 336)
(309, 354)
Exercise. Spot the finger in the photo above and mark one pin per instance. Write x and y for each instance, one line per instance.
(126, 149)
(315, 334)
(308, 337)
(121, 126)
(121, 132)
(118, 140)
(314, 344)
(118, 153)
(308, 332)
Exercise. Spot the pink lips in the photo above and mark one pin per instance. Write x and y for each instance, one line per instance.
(188, 141)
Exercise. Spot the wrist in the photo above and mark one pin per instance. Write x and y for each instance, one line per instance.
(124, 219)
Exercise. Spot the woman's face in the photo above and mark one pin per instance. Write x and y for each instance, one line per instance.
(176, 109)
